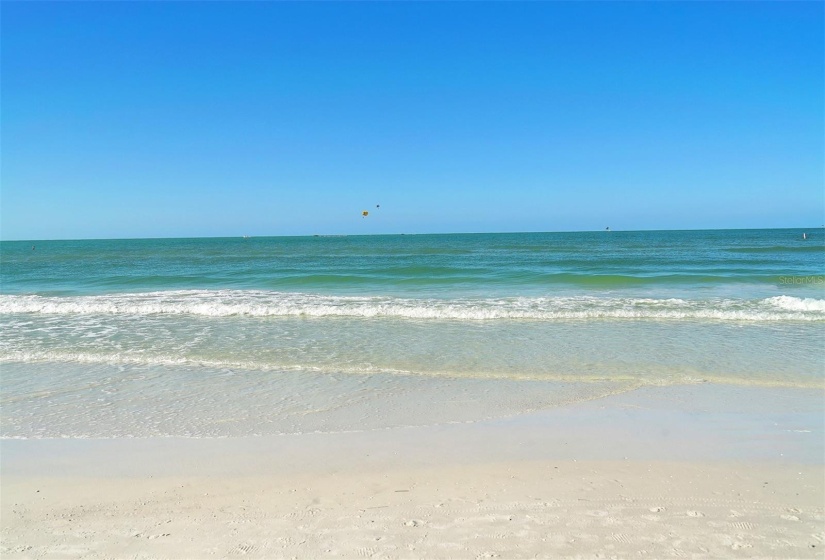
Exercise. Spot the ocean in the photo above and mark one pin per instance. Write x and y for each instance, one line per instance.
(231, 337)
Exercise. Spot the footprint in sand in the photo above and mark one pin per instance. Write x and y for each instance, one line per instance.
(692, 513)
(657, 509)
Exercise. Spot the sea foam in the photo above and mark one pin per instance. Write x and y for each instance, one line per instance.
(226, 303)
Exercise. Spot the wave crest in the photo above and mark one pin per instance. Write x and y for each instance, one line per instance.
(227, 303)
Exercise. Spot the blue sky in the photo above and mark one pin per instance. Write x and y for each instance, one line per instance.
(178, 119)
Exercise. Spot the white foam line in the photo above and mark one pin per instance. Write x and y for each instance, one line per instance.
(227, 303)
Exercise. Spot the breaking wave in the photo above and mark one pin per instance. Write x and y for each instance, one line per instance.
(227, 303)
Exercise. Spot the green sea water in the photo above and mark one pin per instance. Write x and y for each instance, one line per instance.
(759, 261)
(241, 336)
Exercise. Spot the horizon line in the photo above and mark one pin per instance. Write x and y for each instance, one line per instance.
(243, 236)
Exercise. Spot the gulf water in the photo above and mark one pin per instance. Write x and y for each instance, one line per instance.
(247, 336)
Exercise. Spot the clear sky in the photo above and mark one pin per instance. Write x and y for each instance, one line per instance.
(178, 119)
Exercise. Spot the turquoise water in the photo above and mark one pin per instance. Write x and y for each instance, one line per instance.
(547, 264)
(239, 336)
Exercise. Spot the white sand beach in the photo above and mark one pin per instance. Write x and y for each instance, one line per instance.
(670, 472)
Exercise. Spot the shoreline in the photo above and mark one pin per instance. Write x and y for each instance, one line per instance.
(701, 471)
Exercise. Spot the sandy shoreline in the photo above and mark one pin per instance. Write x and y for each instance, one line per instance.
(702, 471)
